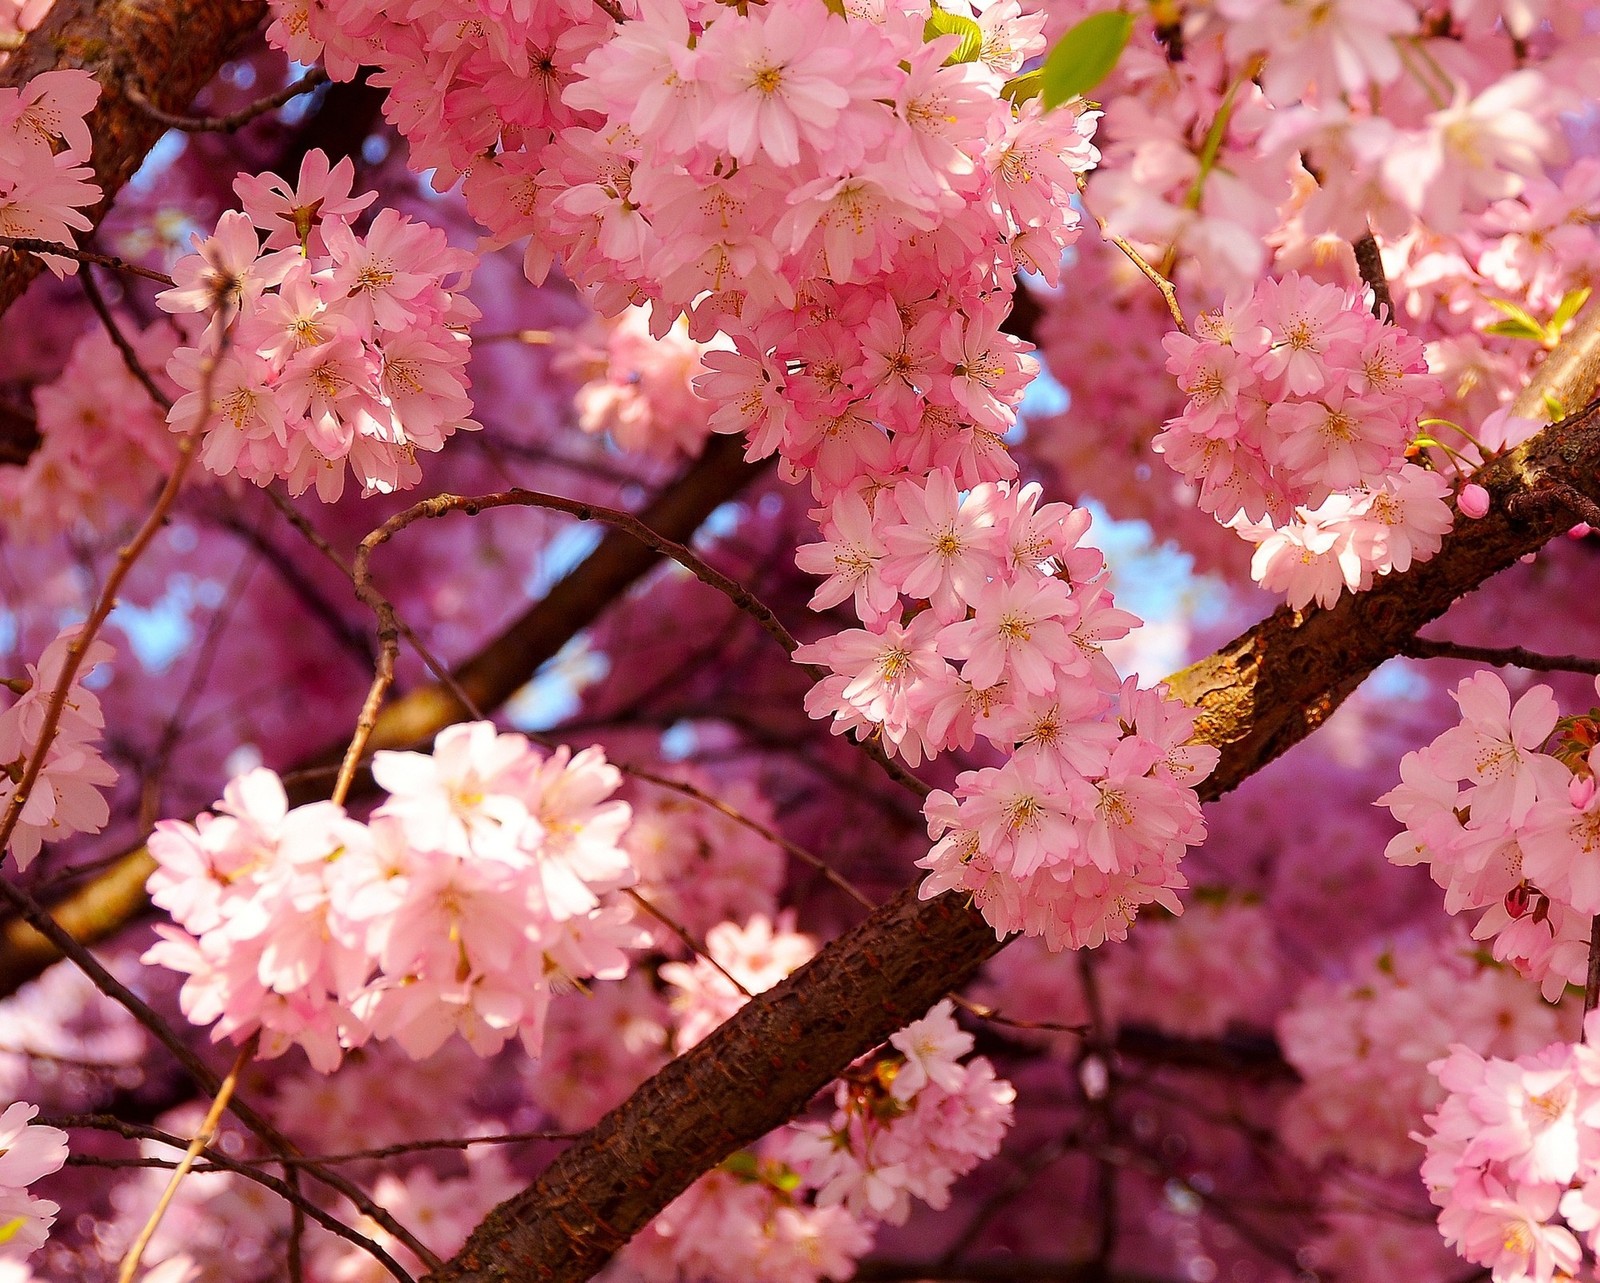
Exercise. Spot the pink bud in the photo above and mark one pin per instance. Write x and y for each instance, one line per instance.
(1473, 501)
(1581, 790)
(1518, 899)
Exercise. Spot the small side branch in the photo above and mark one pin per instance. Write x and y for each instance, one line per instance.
(234, 120)
(1500, 656)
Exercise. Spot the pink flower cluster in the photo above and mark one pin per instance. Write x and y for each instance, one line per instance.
(104, 442)
(1353, 536)
(747, 1221)
(26, 1153)
(44, 144)
(636, 386)
(757, 955)
(805, 1205)
(1508, 828)
(66, 796)
(1362, 1045)
(847, 201)
(480, 888)
(1083, 825)
(1085, 822)
(1296, 392)
(909, 1128)
(340, 348)
(1514, 1158)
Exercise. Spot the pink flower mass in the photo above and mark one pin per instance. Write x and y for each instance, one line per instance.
(751, 781)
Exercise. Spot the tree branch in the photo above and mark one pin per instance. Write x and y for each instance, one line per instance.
(176, 45)
(1257, 697)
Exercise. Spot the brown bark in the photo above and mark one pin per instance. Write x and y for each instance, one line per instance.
(170, 48)
(109, 902)
(1257, 696)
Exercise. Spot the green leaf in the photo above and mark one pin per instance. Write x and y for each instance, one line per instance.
(1571, 301)
(1522, 327)
(941, 22)
(1085, 56)
(1021, 88)
(1516, 312)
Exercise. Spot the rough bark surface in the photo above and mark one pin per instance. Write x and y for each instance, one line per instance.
(169, 48)
(1258, 696)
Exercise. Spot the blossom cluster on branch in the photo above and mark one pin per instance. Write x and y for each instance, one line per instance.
(480, 887)
(323, 347)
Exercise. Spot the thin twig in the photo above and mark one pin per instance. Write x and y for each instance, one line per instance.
(202, 1138)
(1151, 273)
(34, 914)
(217, 1161)
(382, 679)
(985, 1012)
(694, 946)
(1502, 656)
(313, 79)
(33, 245)
(755, 826)
(130, 358)
(107, 600)
(741, 597)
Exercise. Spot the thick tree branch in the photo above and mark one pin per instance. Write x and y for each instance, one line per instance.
(170, 48)
(1257, 697)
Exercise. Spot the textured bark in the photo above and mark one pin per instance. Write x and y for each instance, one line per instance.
(170, 48)
(112, 899)
(1258, 696)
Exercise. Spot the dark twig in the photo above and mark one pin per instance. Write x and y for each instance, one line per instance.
(631, 525)
(1369, 261)
(130, 358)
(33, 245)
(1502, 656)
(313, 79)
(1549, 495)
(217, 1161)
(32, 912)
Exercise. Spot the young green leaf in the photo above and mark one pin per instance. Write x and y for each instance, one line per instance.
(1084, 56)
(1571, 301)
(941, 22)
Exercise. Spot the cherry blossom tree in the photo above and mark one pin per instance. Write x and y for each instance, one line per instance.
(617, 622)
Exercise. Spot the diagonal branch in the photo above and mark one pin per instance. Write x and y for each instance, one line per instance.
(1257, 697)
